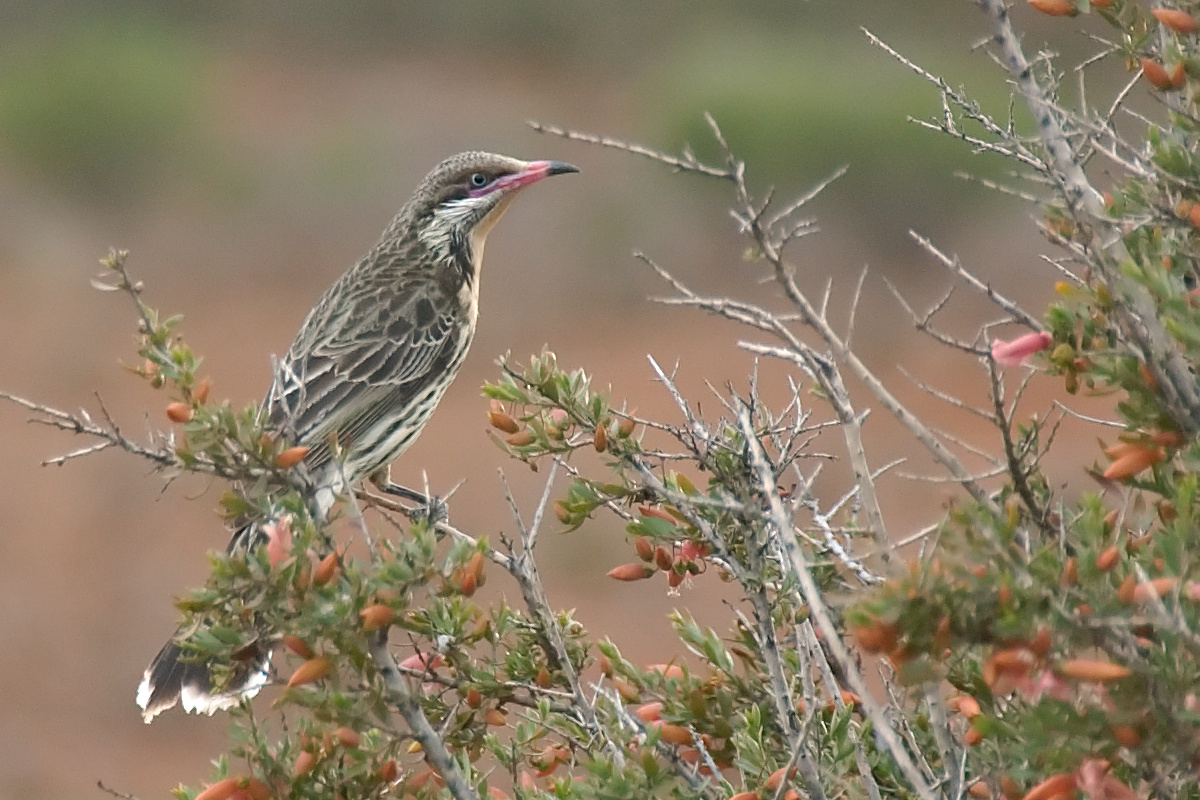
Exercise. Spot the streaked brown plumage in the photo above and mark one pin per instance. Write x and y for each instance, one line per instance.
(370, 363)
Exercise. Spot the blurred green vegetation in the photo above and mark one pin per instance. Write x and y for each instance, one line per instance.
(98, 106)
(102, 101)
(795, 109)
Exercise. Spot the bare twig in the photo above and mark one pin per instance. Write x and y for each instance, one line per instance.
(687, 162)
(820, 613)
(1015, 311)
(406, 703)
(524, 570)
(114, 792)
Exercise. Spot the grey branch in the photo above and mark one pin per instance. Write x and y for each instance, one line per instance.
(1141, 325)
(418, 724)
(523, 568)
(687, 162)
(778, 519)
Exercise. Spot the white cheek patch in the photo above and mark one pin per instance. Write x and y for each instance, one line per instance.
(451, 219)
(439, 233)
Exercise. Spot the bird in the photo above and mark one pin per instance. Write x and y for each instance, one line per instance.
(366, 371)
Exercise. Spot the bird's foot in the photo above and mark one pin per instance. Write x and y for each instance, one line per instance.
(429, 507)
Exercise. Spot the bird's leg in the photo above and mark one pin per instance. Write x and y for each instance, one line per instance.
(429, 506)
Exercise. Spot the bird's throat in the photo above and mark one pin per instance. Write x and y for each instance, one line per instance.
(484, 226)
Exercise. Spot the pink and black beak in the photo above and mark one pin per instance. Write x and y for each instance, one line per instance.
(532, 172)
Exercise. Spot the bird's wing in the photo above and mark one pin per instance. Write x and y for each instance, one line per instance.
(358, 358)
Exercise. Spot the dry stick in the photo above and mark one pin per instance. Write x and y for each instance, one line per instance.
(949, 399)
(767, 642)
(1016, 470)
(946, 745)
(524, 570)
(82, 423)
(1179, 392)
(560, 701)
(418, 724)
(694, 424)
(923, 322)
(855, 565)
(785, 278)
(820, 612)
(114, 792)
(441, 527)
(1014, 149)
(953, 264)
(688, 163)
(807, 197)
(780, 692)
(813, 648)
(819, 368)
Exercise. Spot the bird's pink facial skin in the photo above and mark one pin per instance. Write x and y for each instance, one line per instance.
(533, 172)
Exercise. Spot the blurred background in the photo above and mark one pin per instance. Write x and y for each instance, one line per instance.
(246, 154)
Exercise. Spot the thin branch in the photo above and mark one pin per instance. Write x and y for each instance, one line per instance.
(114, 792)
(433, 745)
(524, 570)
(820, 612)
(686, 163)
(1011, 308)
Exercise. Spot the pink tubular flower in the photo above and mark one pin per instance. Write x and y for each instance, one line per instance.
(422, 661)
(692, 551)
(279, 540)
(1045, 683)
(1093, 780)
(1014, 353)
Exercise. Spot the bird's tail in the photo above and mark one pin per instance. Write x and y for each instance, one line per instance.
(172, 679)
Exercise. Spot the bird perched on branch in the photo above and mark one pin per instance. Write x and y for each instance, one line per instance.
(368, 367)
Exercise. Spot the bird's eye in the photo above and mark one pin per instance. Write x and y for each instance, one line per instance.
(478, 180)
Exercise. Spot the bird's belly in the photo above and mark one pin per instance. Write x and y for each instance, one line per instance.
(399, 426)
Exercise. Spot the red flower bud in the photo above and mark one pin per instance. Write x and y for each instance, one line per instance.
(221, 790)
(291, 457)
(1088, 670)
(376, 616)
(325, 571)
(1055, 8)
(303, 763)
(630, 572)
(179, 412)
(1176, 20)
(201, 389)
(311, 670)
(1106, 559)
(297, 646)
(645, 550)
(502, 422)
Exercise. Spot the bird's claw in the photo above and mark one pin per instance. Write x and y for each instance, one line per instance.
(431, 508)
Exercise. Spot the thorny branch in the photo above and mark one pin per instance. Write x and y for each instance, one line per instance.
(820, 612)
(406, 703)
(524, 571)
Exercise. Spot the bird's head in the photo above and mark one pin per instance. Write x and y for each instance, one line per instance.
(457, 204)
